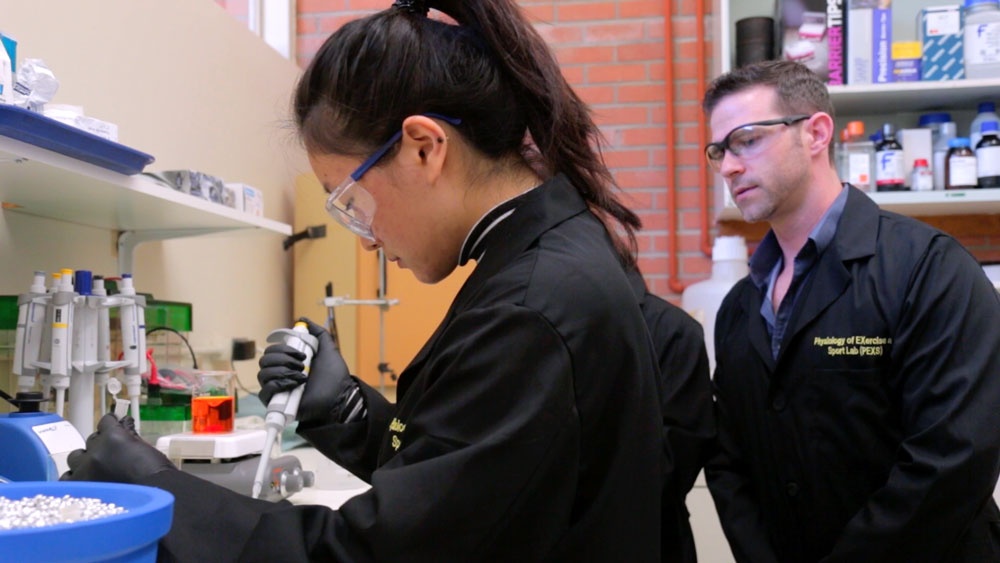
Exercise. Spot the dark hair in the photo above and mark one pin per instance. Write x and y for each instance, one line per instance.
(799, 90)
(492, 70)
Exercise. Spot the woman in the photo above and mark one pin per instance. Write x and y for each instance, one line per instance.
(527, 428)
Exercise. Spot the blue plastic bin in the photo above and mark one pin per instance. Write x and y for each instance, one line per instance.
(36, 129)
(129, 537)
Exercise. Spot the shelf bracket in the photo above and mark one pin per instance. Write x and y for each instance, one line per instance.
(128, 240)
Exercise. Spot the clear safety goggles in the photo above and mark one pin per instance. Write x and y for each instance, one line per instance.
(350, 204)
(747, 140)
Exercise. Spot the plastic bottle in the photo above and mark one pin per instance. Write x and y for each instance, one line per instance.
(921, 178)
(701, 300)
(960, 166)
(839, 154)
(988, 156)
(889, 169)
(948, 131)
(858, 158)
(986, 112)
(981, 42)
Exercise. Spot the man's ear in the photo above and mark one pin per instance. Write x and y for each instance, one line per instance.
(424, 144)
(821, 131)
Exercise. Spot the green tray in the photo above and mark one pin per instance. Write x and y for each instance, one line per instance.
(171, 314)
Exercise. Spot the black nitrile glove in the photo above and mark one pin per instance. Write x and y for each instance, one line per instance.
(281, 369)
(115, 453)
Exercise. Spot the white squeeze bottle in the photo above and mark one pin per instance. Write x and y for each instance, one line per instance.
(701, 300)
(981, 42)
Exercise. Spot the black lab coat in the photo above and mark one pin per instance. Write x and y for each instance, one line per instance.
(526, 429)
(875, 435)
(688, 419)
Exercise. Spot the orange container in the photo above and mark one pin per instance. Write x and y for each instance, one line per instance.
(212, 414)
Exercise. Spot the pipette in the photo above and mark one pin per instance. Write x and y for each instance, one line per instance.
(61, 343)
(30, 318)
(133, 327)
(103, 343)
(283, 407)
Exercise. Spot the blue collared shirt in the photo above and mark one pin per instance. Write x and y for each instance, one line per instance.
(767, 261)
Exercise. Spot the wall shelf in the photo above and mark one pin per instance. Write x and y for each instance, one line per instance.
(899, 97)
(43, 183)
(48, 184)
(920, 204)
(873, 104)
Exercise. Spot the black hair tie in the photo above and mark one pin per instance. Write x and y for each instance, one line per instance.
(418, 7)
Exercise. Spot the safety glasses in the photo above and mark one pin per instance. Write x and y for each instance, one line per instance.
(747, 140)
(350, 204)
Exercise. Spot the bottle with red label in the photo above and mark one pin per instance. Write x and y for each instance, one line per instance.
(921, 179)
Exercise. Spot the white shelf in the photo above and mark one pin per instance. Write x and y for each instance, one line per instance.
(899, 97)
(48, 184)
(917, 204)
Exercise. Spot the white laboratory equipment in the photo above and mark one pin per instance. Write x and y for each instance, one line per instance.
(701, 300)
(35, 444)
(62, 344)
(231, 460)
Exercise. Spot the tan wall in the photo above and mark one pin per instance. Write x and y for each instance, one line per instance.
(188, 84)
(339, 258)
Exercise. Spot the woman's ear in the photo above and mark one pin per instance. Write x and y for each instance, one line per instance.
(424, 144)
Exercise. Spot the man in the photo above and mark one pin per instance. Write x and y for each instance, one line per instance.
(858, 379)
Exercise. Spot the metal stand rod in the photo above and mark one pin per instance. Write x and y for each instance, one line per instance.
(383, 305)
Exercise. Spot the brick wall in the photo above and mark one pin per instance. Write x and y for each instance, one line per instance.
(612, 52)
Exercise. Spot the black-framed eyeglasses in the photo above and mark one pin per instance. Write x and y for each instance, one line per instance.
(747, 139)
(350, 203)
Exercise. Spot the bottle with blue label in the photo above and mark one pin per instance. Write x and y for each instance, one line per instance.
(890, 171)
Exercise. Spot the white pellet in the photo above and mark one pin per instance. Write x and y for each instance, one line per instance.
(44, 510)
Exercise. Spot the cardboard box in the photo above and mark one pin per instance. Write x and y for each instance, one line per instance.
(882, 46)
(860, 40)
(869, 41)
(835, 42)
(198, 184)
(906, 61)
(941, 40)
(252, 199)
(232, 196)
(803, 33)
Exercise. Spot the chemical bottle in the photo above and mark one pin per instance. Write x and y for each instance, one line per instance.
(921, 178)
(948, 131)
(981, 43)
(840, 156)
(701, 300)
(858, 158)
(960, 166)
(986, 112)
(889, 169)
(988, 156)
